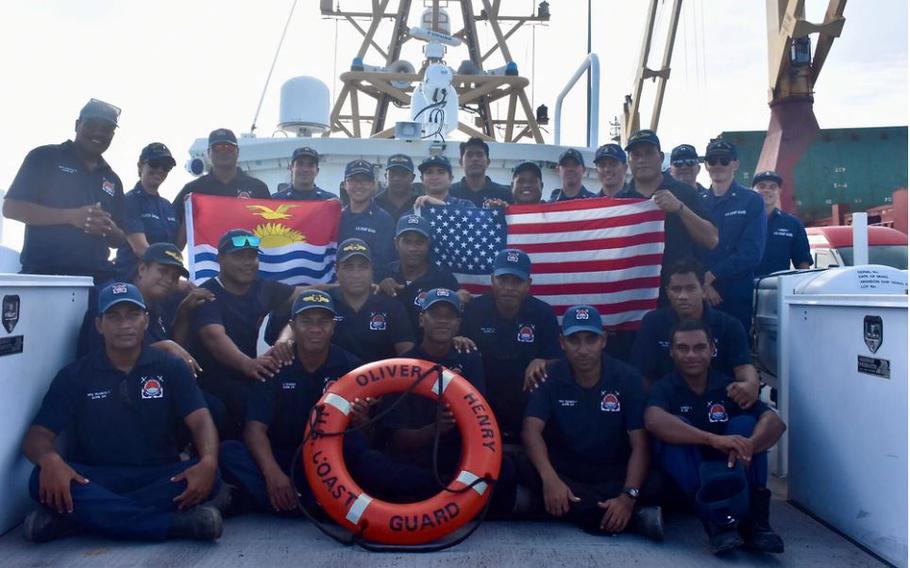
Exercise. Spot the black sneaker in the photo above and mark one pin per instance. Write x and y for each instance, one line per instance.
(649, 522)
(44, 525)
(202, 522)
(725, 540)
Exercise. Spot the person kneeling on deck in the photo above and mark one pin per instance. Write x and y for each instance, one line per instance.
(711, 447)
(584, 434)
(278, 411)
(120, 407)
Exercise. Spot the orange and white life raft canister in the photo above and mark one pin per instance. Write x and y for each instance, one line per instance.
(402, 523)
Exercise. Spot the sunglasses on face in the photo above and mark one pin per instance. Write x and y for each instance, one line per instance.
(245, 240)
(685, 162)
(159, 165)
(713, 161)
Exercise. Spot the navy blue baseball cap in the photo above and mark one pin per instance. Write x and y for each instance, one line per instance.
(614, 151)
(312, 299)
(359, 168)
(156, 151)
(414, 223)
(167, 254)
(643, 137)
(437, 295)
(527, 166)
(571, 154)
(222, 136)
(767, 176)
(720, 148)
(237, 239)
(437, 160)
(582, 318)
(305, 151)
(118, 292)
(351, 248)
(683, 152)
(512, 261)
(400, 161)
(101, 110)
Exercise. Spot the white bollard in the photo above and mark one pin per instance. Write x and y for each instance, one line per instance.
(860, 239)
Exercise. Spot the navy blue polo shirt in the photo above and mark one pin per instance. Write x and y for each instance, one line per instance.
(382, 199)
(54, 176)
(317, 194)
(283, 403)
(242, 186)
(677, 242)
(372, 332)
(375, 226)
(507, 347)
(241, 317)
(413, 293)
(416, 411)
(589, 425)
(739, 215)
(149, 214)
(710, 411)
(787, 242)
(116, 418)
(651, 350)
(558, 195)
(490, 190)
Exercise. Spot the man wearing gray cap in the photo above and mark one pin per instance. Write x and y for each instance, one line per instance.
(70, 200)
(225, 179)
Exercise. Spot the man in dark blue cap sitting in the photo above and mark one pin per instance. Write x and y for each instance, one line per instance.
(684, 166)
(476, 186)
(70, 200)
(304, 168)
(787, 242)
(225, 179)
(714, 450)
(611, 163)
(584, 435)
(362, 218)
(571, 172)
(739, 215)
(436, 177)
(121, 407)
(400, 193)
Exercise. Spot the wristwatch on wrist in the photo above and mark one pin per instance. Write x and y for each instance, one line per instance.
(631, 492)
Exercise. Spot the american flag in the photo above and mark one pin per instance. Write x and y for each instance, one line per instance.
(603, 252)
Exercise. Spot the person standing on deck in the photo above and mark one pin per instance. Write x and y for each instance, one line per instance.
(787, 242)
(684, 167)
(476, 186)
(611, 163)
(400, 193)
(304, 168)
(571, 172)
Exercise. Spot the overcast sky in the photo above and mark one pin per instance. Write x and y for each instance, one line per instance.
(180, 69)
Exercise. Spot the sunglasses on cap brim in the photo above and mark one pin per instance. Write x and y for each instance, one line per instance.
(245, 241)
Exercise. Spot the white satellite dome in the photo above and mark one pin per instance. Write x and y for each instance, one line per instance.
(304, 106)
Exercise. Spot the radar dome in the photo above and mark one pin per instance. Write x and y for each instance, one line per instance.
(304, 106)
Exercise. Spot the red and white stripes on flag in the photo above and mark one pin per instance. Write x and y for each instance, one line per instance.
(604, 252)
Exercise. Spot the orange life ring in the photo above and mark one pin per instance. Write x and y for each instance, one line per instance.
(402, 523)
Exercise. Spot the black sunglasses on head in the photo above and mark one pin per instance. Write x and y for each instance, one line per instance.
(725, 161)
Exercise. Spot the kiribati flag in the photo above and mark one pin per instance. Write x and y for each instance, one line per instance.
(298, 238)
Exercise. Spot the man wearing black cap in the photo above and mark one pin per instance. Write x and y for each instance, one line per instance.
(226, 329)
(742, 228)
(70, 200)
(611, 163)
(684, 166)
(121, 407)
(704, 438)
(527, 184)
(687, 229)
(304, 168)
(364, 219)
(225, 179)
(592, 465)
(571, 171)
(148, 218)
(413, 275)
(398, 197)
(371, 326)
(436, 177)
(787, 241)
(476, 186)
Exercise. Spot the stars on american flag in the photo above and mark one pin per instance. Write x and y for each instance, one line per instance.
(466, 240)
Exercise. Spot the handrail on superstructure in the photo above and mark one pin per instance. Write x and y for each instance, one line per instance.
(592, 62)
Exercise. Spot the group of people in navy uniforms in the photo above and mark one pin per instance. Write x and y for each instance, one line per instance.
(174, 418)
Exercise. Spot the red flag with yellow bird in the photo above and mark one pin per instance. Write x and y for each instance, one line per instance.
(298, 239)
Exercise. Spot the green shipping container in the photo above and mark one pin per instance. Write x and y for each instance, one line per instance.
(857, 166)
